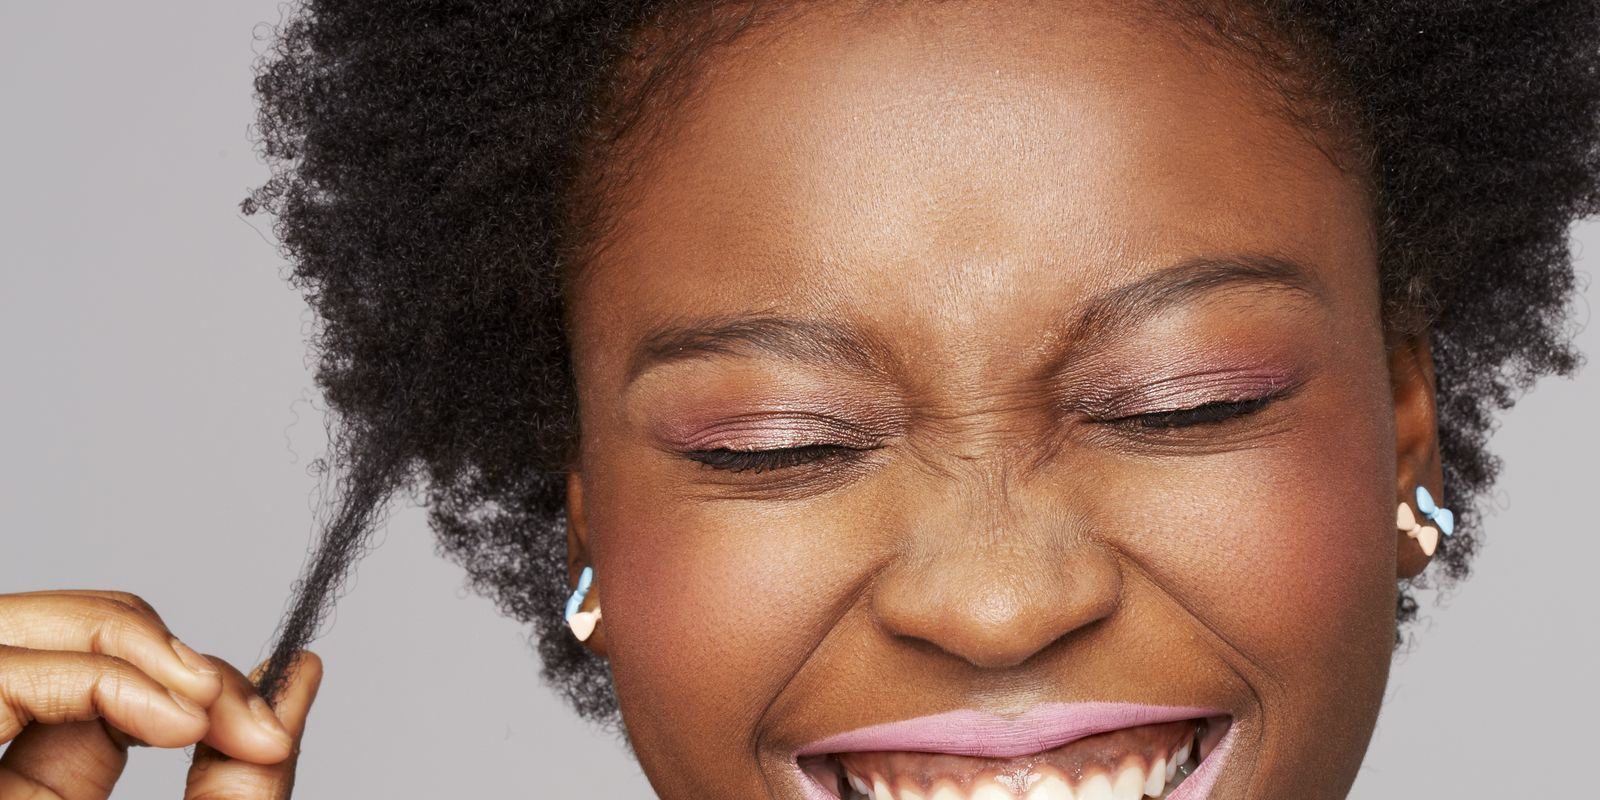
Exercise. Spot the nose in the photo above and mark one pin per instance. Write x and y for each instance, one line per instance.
(994, 594)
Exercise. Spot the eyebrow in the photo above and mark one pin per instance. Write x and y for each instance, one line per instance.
(841, 346)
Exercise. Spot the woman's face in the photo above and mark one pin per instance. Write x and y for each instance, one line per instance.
(886, 383)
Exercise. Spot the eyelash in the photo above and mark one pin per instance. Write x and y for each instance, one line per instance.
(1214, 413)
(764, 460)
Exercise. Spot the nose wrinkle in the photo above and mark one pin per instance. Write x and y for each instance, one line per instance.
(986, 486)
(995, 565)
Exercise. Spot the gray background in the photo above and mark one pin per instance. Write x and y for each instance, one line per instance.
(159, 421)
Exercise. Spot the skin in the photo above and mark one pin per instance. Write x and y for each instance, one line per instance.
(949, 187)
(935, 197)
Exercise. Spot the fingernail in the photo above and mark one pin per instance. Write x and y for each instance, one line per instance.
(268, 720)
(194, 661)
(186, 704)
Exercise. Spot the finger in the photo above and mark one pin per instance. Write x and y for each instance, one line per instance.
(242, 724)
(214, 776)
(126, 598)
(56, 687)
(109, 623)
(72, 761)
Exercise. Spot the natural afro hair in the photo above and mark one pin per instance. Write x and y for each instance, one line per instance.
(433, 179)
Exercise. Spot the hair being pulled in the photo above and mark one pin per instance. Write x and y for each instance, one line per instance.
(363, 484)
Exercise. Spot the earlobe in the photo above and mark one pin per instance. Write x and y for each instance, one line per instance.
(1417, 460)
(582, 621)
(582, 612)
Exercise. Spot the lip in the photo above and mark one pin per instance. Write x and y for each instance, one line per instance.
(982, 734)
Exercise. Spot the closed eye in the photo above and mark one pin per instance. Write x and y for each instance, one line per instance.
(1204, 414)
(765, 460)
(729, 460)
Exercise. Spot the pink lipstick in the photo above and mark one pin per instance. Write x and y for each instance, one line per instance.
(1055, 751)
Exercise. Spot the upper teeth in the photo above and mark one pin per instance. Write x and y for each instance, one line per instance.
(1133, 781)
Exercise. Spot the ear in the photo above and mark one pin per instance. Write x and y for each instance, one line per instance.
(1416, 425)
(578, 558)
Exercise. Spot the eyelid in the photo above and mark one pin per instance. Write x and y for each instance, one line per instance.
(774, 431)
(1185, 392)
(1224, 410)
(1235, 416)
(1259, 397)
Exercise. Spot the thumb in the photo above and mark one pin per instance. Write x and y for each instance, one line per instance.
(215, 776)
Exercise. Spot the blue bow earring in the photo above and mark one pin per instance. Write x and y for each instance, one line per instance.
(582, 622)
(1440, 516)
(1426, 535)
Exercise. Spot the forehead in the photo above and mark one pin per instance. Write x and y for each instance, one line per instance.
(931, 163)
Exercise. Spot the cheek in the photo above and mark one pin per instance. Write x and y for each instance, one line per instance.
(1286, 549)
(711, 608)
(1289, 554)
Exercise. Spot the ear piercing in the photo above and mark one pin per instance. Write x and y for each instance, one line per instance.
(1426, 535)
(582, 622)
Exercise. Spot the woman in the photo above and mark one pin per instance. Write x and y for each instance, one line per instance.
(908, 400)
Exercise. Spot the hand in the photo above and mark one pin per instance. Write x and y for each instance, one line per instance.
(86, 674)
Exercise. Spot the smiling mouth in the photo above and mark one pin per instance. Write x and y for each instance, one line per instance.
(1151, 760)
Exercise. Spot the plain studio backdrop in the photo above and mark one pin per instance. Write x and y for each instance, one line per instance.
(160, 421)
